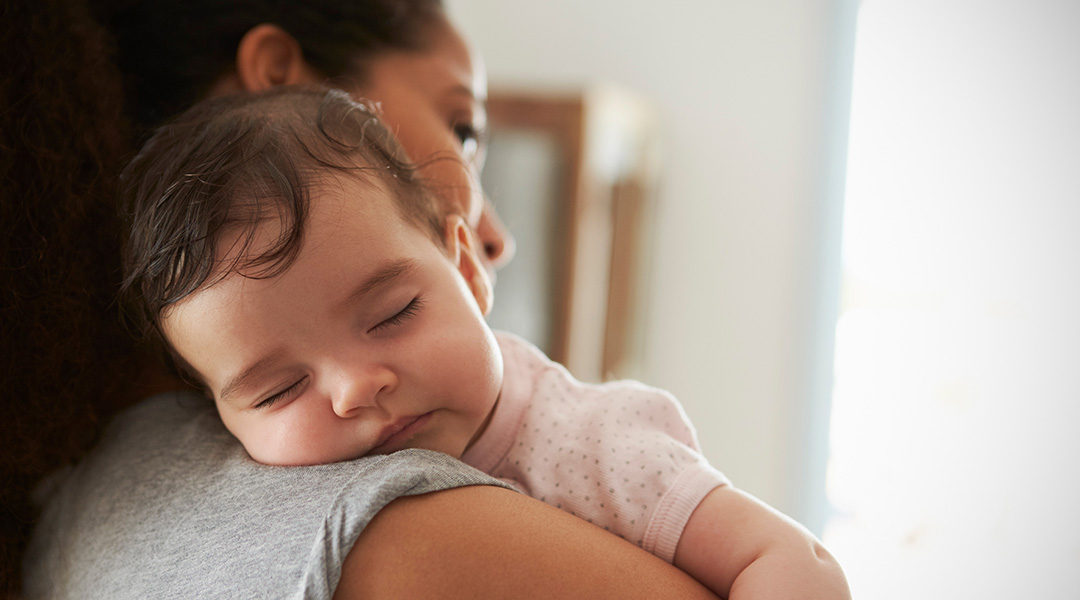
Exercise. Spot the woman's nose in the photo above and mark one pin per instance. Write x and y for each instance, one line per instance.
(498, 242)
(362, 386)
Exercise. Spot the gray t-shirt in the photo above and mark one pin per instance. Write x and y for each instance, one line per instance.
(169, 505)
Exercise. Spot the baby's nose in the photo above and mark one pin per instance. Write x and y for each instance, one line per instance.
(362, 387)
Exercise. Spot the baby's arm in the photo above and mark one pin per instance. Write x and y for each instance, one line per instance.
(743, 549)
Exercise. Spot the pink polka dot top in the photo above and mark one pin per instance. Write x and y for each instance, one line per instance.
(621, 455)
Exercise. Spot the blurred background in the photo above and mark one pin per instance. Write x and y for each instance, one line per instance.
(856, 257)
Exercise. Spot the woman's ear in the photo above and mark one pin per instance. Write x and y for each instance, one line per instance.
(463, 252)
(269, 56)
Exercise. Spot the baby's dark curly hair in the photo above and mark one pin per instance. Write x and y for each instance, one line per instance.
(230, 164)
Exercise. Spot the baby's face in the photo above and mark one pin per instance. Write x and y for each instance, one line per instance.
(371, 341)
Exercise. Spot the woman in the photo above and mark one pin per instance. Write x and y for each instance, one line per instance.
(500, 543)
(402, 54)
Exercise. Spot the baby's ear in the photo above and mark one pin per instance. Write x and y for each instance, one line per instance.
(463, 252)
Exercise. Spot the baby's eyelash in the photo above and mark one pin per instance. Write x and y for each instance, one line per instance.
(403, 315)
(282, 395)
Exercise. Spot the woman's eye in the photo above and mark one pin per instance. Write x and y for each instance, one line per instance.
(401, 316)
(284, 394)
(470, 137)
(466, 132)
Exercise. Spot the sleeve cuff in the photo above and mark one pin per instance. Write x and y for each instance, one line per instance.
(670, 518)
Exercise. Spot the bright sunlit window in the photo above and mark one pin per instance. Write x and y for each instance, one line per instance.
(955, 466)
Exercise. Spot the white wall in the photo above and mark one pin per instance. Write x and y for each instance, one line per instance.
(743, 90)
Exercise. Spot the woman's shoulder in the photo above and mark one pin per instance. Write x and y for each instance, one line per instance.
(169, 417)
(170, 500)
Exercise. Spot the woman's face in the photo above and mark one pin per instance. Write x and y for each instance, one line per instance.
(433, 101)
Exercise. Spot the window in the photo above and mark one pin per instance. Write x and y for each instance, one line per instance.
(955, 465)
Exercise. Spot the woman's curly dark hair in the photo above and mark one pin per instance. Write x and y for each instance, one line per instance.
(67, 362)
(172, 52)
(81, 81)
(64, 359)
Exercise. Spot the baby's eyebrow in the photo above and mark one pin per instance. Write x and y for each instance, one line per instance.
(241, 379)
(381, 277)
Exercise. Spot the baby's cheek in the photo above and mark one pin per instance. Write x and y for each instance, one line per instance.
(268, 445)
(298, 443)
(250, 436)
(276, 442)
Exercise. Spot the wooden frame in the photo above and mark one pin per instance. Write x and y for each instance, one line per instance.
(602, 200)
